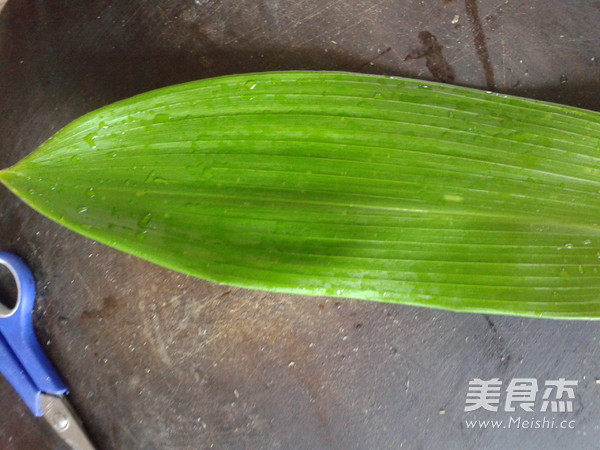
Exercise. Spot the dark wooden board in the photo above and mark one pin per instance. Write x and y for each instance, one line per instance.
(159, 360)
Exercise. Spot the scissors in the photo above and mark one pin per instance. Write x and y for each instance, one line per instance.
(25, 365)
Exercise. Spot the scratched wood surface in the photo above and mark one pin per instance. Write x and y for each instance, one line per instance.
(160, 360)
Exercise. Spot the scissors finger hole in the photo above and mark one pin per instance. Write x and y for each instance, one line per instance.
(9, 291)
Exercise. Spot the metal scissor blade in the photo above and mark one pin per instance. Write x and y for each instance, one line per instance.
(61, 417)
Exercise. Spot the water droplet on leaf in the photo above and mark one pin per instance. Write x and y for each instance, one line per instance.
(91, 139)
(144, 221)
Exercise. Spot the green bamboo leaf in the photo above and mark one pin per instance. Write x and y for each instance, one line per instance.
(340, 184)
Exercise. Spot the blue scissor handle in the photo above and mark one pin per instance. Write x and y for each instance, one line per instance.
(16, 330)
(13, 371)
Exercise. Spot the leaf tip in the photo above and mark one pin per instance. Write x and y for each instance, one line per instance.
(5, 177)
